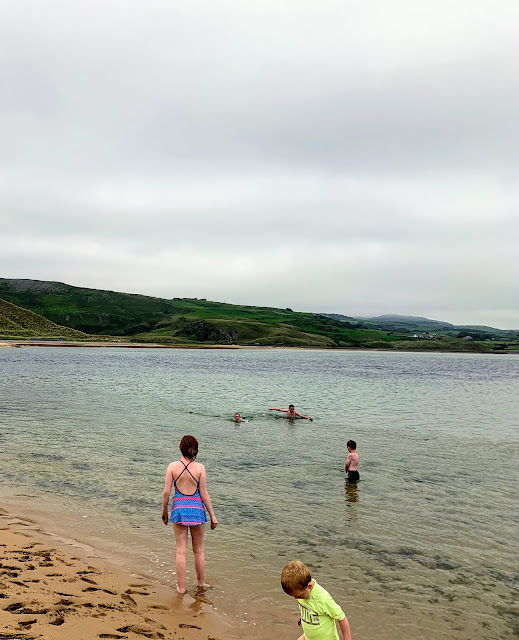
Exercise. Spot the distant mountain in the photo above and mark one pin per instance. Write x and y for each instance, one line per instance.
(395, 317)
(420, 325)
(19, 323)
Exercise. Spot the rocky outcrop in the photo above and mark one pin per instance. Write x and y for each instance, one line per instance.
(204, 331)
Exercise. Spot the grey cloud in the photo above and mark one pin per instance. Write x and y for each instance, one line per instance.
(350, 157)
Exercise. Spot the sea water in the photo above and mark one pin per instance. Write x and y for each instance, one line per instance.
(424, 546)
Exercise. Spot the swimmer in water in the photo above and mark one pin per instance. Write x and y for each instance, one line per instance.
(291, 413)
(237, 418)
(352, 462)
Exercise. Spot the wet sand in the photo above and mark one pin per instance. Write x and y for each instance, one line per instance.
(57, 589)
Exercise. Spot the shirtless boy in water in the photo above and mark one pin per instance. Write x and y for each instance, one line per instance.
(352, 461)
(291, 412)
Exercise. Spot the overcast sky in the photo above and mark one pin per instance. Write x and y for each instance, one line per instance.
(348, 156)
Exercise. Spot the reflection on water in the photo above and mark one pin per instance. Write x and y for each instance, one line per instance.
(406, 553)
(352, 491)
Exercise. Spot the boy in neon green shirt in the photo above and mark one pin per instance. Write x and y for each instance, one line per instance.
(319, 611)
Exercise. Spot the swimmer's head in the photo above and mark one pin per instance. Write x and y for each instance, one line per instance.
(291, 406)
(237, 417)
(189, 447)
(351, 444)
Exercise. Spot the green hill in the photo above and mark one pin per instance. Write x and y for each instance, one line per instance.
(199, 321)
(183, 320)
(18, 323)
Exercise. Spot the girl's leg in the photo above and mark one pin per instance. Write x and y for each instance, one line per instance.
(181, 540)
(197, 540)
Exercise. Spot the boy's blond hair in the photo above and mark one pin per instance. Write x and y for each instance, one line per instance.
(295, 576)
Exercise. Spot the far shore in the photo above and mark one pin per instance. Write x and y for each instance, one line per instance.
(156, 345)
(125, 345)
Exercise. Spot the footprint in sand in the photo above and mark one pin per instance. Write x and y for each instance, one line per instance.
(183, 625)
(63, 602)
(21, 608)
(128, 599)
(142, 630)
(89, 580)
(150, 621)
(27, 623)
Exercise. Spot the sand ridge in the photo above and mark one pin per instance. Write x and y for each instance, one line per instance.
(50, 593)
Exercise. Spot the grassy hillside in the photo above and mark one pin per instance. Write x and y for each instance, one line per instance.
(89, 310)
(18, 323)
(198, 321)
(185, 320)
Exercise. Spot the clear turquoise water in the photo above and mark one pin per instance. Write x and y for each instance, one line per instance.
(425, 546)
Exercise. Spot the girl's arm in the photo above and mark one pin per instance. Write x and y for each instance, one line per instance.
(206, 499)
(167, 492)
(345, 628)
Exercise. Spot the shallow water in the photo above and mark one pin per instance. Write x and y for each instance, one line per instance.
(424, 546)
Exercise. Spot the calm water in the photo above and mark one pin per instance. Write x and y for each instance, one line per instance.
(425, 546)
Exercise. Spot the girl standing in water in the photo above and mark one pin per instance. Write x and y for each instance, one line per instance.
(187, 513)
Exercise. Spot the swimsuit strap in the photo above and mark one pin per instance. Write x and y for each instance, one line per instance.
(185, 469)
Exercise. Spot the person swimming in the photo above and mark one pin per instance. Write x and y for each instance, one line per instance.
(237, 418)
(291, 413)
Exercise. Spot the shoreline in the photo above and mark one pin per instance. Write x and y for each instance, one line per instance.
(57, 587)
(122, 345)
(8, 344)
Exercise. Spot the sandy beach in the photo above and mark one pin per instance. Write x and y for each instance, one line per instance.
(53, 588)
(121, 344)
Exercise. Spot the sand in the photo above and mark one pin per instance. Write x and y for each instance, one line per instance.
(55, 590)
(121, 344)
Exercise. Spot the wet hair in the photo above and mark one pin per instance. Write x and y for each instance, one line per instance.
(295, 577)
(189, 447)
(352, 444)
(291, 405)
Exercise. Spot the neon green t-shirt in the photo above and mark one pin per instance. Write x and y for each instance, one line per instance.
(318, 615)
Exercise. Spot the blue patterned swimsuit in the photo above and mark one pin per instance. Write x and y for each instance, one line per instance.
(187, 510)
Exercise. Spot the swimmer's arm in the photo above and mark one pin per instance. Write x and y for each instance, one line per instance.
(348, 462)
(274, 409)
(204, 494)
(167, 492)
(302, 416)
(345, 628)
